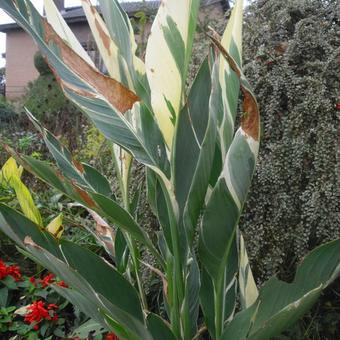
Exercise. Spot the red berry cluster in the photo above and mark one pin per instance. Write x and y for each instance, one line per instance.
(38, 312)
(12, 270)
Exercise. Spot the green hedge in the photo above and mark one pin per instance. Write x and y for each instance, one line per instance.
(292, 60)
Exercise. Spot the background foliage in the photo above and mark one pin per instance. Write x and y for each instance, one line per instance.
(292, 60)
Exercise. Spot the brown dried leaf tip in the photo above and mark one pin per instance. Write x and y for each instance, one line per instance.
(250, 121)
(113, 91)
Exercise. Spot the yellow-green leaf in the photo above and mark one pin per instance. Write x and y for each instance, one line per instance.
(26, 201)
(10, 169)
(55, 226)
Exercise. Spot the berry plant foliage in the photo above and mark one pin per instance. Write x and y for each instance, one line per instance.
(199, 162)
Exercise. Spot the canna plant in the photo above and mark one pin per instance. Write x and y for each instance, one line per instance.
(198, 172)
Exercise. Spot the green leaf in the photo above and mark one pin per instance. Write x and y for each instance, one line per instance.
(320, 268)
(3, 296)
(84, 175)
(158, 328)
(201, 173)
(239, 327)
(104, 278)
(17, 227)
(140, 331)
(103, 205)
(89, 326)
(26, 201)
(191, 127)
(121, 252)
(82, 302)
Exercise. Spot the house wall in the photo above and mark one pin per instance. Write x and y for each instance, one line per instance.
(20, 70)
(20, 51)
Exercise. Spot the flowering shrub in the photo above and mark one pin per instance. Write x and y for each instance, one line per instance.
(30, 308)
(111, 336)
(37, 312)
(11, 270)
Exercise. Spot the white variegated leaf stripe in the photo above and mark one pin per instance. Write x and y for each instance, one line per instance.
(121, 31)
(248, 289)
(58, 23)
(229, 83)
(122, 34)
(108, 50)
(103, 232)
(123, 161)
(167, 56)
(120, 64)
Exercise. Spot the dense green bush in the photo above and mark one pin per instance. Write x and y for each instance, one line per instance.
(292, 60)
(7, 113)
(41, 65)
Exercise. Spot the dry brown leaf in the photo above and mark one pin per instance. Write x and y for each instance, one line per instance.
(115, 93)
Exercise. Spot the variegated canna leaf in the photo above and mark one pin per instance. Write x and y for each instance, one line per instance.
(103, 205)
(248, 289)
(220, 219)
(118, 52)
(229, 84)
(55, 19)
(194, 127)
(82, 174)
(167, 58)
(102, 98)
(280, 304)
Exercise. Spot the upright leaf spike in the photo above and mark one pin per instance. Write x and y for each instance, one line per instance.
(167, 58)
